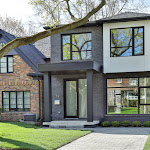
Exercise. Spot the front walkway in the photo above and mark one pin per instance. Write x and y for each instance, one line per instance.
(111, 139)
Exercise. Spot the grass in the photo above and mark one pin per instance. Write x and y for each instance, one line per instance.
(128, 110)
(17, 135)
(147, 144)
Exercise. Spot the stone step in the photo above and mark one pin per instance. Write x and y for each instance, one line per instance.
(70, 124)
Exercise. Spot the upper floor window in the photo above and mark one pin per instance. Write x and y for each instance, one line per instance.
(127, 42)
(76, 46)
(16, 101)
(6, 64)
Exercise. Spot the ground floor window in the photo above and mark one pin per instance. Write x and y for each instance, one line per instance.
(16, 101)
(131, 96)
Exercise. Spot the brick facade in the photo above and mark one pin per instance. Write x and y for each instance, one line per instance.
(20, 81)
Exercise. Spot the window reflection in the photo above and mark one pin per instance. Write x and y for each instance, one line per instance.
(127, 42)
(131, 96)
(77, 46)
(122, 101)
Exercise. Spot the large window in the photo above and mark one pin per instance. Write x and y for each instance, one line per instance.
(132, 96)
(6, 64)
(76, 46)
(127, 42)
(16, 101)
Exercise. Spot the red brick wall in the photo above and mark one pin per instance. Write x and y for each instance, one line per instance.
(19, 81)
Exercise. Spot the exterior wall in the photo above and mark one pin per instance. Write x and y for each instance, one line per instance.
(58, 93)
(131, 63)
(97, 44)
(19, 81)
(44, 46)
(58, 80)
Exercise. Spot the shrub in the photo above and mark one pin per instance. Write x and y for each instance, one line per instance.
(115, 124)
(106, 124)
(125, 123)
(147, 124)
(136, 124)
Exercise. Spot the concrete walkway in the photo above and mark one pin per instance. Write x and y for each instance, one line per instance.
(111, 139)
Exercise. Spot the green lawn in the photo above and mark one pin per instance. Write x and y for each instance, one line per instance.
(147, 144)
(16, 135)
(128, 110)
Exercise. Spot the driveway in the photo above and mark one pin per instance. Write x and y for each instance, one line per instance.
(111, 138)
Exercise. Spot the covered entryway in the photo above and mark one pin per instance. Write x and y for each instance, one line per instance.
(75, 98)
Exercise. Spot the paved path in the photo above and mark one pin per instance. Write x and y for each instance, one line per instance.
(111, 139)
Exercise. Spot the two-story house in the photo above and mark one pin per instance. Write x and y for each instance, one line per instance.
(21, 84)
(100, 71)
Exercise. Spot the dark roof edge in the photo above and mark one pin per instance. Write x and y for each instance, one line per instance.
(35, 74)
(102, 21)
(88, 24)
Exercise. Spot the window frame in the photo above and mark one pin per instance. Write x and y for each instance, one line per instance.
(16, 109)
(71, 51)
(138, 87)
(7, 66)
(133, 41)
(141, 87)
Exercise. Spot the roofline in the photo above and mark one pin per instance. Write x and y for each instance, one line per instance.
(103, 21)
(21, 54)
(88, 24)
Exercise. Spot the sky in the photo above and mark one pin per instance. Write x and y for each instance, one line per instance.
(19, 9)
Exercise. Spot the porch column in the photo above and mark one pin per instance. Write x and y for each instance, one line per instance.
(47, 97)
(89, 77)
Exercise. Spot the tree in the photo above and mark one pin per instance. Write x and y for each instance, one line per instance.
(55, 30)
(114, 7)
(52, 11)
(15, 27)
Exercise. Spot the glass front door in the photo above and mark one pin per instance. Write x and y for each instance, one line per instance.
(76, 98)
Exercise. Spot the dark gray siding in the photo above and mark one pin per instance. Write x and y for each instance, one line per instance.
(58, 93)
(44, 46)
(58, 80)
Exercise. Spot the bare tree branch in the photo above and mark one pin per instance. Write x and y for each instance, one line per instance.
(69, 11)
(122, 6)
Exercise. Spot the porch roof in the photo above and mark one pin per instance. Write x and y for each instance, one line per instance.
(70, 67)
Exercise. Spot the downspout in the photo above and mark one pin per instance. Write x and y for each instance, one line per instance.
(39, 99)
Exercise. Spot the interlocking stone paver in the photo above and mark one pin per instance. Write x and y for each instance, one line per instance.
(111, 139)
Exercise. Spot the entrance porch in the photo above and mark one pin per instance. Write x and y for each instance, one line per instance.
(69, 92)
